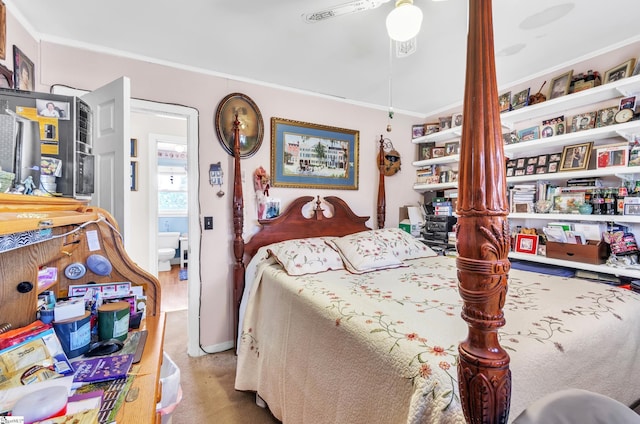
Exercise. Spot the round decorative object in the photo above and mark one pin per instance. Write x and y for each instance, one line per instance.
(251, 124)
(99, 265)
(74, 271)
(624, 115)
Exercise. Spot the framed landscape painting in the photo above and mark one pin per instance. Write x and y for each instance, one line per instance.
(305, 155)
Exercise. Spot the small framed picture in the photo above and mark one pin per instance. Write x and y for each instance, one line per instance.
(519, 172)
(530, 170)
(552, 167)
(585, 121)
(445, 122)
(527, 243)
(560, 85)
(606, 116)
(553, 121)
(548, 131)
(424, 151)
(417, 131)
(511, 163)
(504, 102)
(520, 162)
(560, 128)
(612, 155)
(510, 137)
(567, 202)
(437, 152)
(510, 171)
(431, 128)
(628, 103)
(532, 160)
(451, 148)
(555, 157)
(542, 160)
(541, 169)
(456, 120)
(636, 69)
(619, 72)
(528, 134)
(576, 157)
(520, 99)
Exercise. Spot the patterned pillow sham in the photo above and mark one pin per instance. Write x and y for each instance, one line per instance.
(404, 245)
(364, 251)
(305, 256)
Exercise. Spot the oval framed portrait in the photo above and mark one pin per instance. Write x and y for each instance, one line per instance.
(251, 124)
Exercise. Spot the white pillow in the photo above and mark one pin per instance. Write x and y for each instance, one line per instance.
(305, 256)
(364, 251)
(404, 245)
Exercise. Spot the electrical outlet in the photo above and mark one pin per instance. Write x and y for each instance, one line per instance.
(208, 223)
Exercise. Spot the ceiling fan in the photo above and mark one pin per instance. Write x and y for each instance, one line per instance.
(343, 9)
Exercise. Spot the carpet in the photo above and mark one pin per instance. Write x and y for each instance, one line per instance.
(184, 274)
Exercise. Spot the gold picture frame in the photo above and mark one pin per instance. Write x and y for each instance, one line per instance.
(3, 31)
(306, 155)
(560, 85)
(619, 72)
(251, 124)
(576, 157)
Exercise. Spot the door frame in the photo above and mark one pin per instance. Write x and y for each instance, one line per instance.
(193, 282)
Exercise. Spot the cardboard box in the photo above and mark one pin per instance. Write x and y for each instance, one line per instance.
(594, 252)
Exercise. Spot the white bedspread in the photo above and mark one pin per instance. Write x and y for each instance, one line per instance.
(381, 347)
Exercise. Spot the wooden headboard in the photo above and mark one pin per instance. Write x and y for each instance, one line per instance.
(483, 241)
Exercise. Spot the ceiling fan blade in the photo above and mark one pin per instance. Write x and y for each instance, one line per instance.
(342, 9)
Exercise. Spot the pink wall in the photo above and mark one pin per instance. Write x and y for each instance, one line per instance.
(83, 69)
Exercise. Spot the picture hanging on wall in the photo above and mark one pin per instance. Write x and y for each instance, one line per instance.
(23, 71)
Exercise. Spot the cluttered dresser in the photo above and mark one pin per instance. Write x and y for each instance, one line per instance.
(80, 322)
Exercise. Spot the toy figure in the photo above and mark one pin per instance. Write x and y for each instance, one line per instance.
(29, 185)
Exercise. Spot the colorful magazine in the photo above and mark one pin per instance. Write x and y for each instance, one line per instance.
(93, 370)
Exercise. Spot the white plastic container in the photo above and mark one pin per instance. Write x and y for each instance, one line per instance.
(171, 390)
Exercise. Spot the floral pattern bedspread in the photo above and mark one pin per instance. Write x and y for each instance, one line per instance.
(381, 347)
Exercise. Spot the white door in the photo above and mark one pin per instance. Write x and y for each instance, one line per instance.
(111, 110)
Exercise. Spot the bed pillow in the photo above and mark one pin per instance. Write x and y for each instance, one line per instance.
(305, 256)
(364, 251)
(404, 245)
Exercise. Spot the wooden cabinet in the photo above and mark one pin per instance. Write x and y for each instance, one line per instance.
(56, 232)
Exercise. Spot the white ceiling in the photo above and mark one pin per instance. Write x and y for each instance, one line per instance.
(347, 56)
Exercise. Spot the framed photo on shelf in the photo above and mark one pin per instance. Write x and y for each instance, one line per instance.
(605, 117)
(560, 85)
(24, 72)
(437, 152)
(541, 169)
(576, 157)
(445, 122)
(456, 120)
(510, 137)
(530, 170)
(555, 157)
(619, 72)
(552, 167)
(504, 102)
(636, 69)
(520, 163)
(528, 134)
(519, 172)
(451, 148)
(548, 131)
(612, 155)
(628, 103)
(431, 128)
(424, 151)
(417, 131)
(567, 202)
(520, 99)
(542, 160)
(584, 121)
(510, 171)
(533, 160)
(527, 243)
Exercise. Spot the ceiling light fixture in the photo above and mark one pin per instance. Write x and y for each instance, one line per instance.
(403, 23)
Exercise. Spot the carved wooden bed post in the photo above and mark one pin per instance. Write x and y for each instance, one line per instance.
(483, 231)
(382, 203)
(238, 222)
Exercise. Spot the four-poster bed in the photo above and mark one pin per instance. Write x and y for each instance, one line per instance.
(378, 340)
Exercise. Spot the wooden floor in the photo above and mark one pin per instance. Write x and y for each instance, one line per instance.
(174, 291)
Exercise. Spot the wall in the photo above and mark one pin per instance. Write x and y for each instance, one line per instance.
(83, 69)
